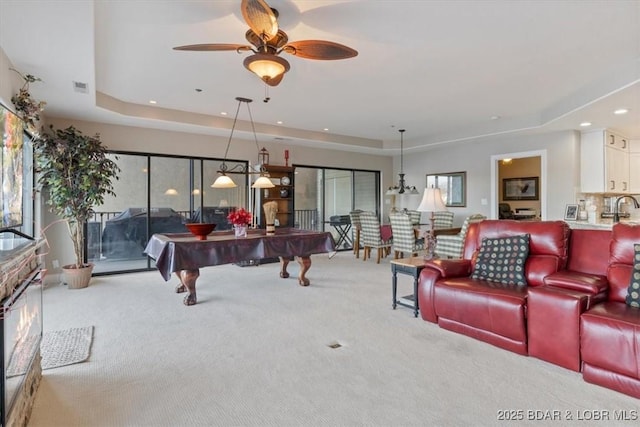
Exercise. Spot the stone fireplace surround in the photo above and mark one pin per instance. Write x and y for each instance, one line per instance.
(20, 289)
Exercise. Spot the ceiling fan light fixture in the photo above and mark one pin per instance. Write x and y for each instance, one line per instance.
(266, 66)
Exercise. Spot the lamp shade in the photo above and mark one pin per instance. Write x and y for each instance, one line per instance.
(223, 181)
(432, 201)
(266, 66)
(263, 182)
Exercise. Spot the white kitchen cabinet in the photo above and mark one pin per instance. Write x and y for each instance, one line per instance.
(616, 141)
(604, 161)
(634, 166)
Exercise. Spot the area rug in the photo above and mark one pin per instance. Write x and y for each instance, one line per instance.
(58, 348)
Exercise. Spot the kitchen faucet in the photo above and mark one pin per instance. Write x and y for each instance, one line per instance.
(616, 213)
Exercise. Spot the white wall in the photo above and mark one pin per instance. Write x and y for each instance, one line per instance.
(474, 157)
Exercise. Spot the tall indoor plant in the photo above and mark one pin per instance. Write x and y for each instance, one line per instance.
(77, 173)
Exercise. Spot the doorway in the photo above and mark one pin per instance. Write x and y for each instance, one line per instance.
(537, 202)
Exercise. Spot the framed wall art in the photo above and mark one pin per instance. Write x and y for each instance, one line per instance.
(520, 188)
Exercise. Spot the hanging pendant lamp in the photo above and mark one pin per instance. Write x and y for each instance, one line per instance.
(224, 181)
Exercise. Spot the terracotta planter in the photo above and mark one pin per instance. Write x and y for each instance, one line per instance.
(77, 278)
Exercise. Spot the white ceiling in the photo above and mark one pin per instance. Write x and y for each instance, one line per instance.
(440, 69)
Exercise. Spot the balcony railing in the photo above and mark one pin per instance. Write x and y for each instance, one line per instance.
(97, 243)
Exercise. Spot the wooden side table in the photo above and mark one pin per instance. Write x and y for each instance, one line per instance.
(411, 267)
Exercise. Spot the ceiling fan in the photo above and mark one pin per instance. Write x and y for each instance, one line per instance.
(267, 42)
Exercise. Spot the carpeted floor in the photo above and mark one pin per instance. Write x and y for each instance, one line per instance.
(258, 350)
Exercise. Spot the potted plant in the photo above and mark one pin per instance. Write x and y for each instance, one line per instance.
(75, 170)
(27, 108)
(240, 219)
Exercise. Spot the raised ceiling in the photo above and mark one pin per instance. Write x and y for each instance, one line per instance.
(446, 71)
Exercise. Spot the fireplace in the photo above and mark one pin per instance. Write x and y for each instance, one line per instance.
(20, 333)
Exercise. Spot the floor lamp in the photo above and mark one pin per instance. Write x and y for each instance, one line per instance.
(431, 202)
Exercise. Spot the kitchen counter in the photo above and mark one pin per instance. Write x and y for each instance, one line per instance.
(603, 224)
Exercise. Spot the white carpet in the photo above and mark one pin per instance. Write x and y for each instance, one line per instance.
(256, 350)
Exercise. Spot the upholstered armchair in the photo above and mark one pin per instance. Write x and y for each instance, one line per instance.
(451, 246)
(371, 237)
(404, 237)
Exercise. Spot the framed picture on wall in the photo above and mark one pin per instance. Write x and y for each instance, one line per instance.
(520, 188)
(571, 213)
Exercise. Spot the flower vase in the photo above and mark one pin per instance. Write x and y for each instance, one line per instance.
(429, 246)
(240, 230)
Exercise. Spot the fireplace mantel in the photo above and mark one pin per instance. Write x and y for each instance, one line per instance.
(21, 277)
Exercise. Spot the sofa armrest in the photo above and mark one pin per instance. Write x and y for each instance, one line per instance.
(448, 268)
(433, 271)
(592, 284)
(426, 285)
(553, 324)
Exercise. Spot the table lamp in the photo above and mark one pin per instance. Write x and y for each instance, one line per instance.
(431, 202)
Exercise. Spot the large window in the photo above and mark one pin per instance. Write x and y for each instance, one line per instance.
(155, 194)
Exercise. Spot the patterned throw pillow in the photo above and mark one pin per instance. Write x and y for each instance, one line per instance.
(633, 292)
(502, 260)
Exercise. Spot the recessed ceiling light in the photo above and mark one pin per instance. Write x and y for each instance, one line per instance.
(152, 101)
(223, 113)
(326, 129)
(621, 111)
(585, 124)
(494, 117)
(279, 122)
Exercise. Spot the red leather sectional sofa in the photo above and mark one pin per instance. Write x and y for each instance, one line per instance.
(571, 313)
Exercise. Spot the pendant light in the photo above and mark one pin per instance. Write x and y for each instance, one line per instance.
(401, 188)
(224, 181)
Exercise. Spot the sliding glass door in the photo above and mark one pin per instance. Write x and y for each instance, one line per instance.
(324, 197)
(156, 194)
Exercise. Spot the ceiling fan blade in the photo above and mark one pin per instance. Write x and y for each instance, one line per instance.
(319, 49)
(260, 18)
(213, 46)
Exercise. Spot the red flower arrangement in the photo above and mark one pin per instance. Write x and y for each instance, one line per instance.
(240, 217)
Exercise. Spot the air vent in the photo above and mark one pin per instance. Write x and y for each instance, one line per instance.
(80, 87)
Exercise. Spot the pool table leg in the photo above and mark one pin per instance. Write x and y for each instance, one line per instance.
(284, 261)
(188, 284)
(305, 265)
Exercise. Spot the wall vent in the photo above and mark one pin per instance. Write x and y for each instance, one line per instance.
(80, 87)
